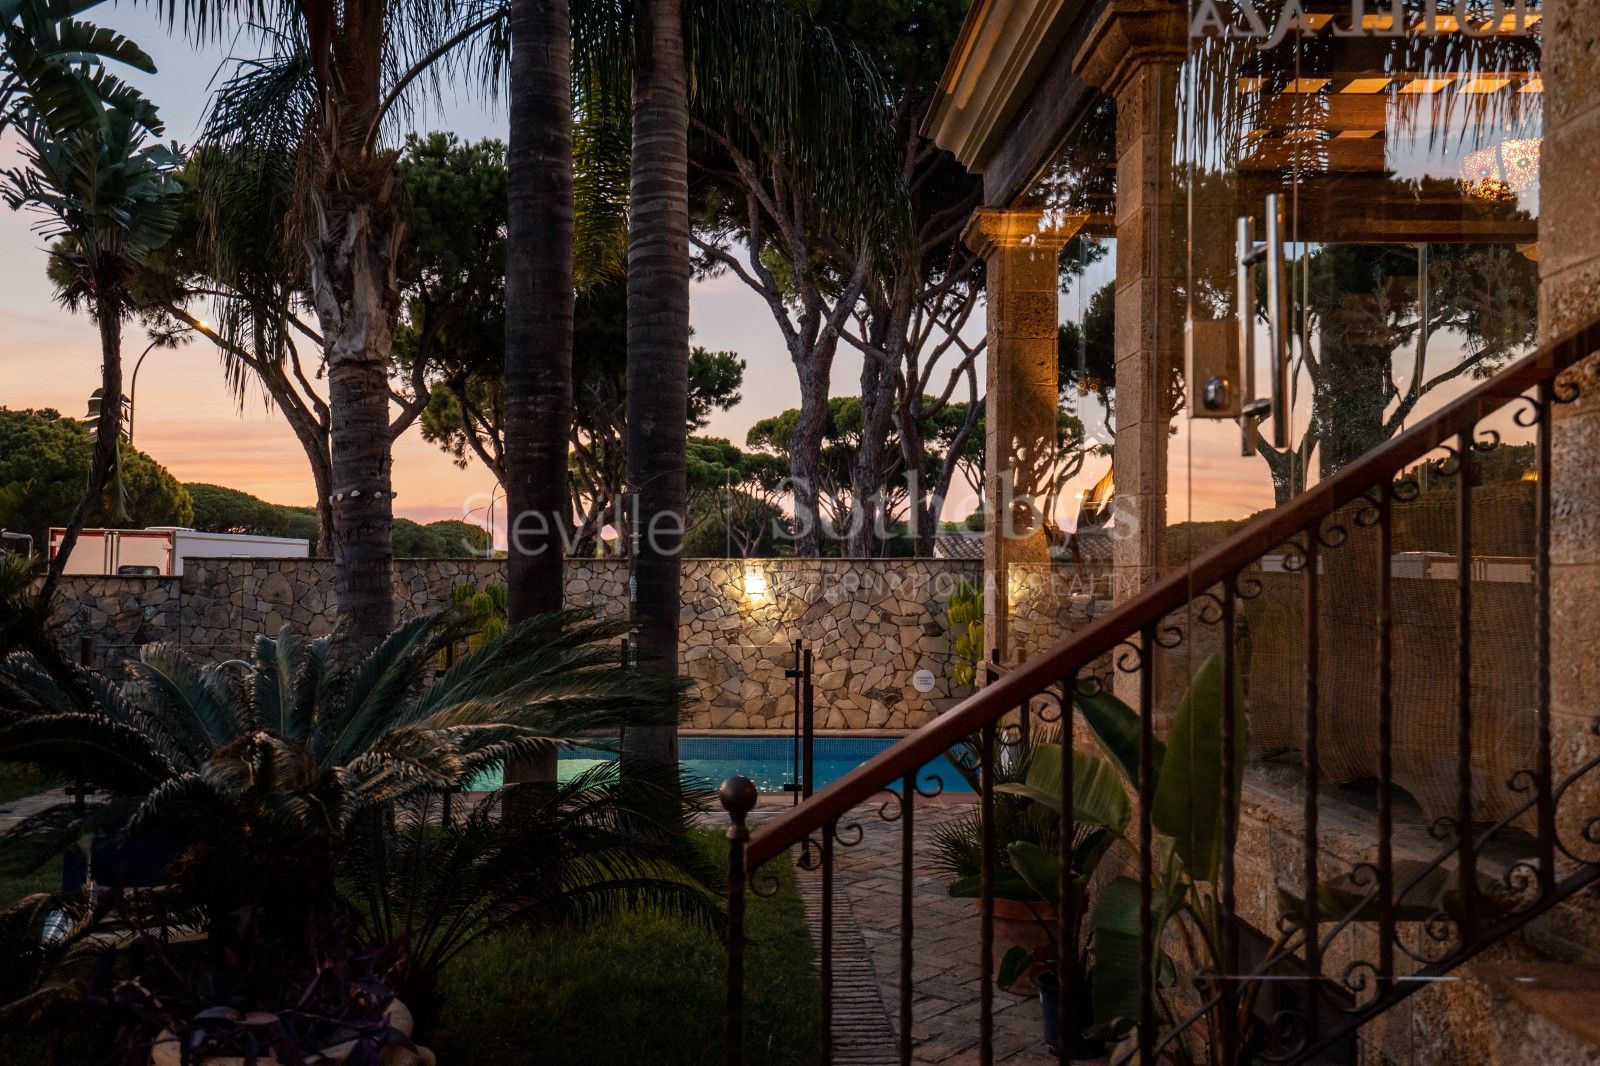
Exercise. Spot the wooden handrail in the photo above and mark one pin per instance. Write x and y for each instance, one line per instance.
(1016, 686)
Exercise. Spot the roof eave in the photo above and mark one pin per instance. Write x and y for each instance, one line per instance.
(1003, 47)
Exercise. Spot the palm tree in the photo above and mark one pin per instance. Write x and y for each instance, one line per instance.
(334, 78)
(303, 789)
(658, 347)
(107, 197)
(537, 396)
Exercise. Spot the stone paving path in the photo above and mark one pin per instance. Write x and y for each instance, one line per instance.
(945, 954)
(14, 812)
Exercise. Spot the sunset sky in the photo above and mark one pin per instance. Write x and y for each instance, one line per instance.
(186, 418)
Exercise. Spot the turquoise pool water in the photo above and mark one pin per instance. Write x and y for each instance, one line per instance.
(768, 761)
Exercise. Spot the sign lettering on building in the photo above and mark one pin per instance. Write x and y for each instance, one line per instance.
(1246, 20)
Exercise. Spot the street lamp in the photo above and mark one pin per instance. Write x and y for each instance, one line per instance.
(489, 508)
(133, 382)
(497, 488)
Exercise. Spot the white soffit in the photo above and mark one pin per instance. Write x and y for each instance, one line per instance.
(997, 59)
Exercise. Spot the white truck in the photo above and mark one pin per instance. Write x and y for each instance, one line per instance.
(161, 550)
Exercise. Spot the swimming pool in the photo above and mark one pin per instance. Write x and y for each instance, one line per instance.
(768, 761)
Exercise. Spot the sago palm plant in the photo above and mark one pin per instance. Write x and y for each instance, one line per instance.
(257, 775)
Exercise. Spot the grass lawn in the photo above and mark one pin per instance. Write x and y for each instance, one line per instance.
(18, 781)
(638, 988)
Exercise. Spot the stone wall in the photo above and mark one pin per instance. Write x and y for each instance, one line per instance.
(870, 626)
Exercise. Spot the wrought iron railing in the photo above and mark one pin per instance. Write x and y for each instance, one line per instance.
(1355, 932)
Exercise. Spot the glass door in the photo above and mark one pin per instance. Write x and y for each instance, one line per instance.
(1392, 149)
(1360, 185)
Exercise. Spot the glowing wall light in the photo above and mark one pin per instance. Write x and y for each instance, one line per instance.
(755, 585)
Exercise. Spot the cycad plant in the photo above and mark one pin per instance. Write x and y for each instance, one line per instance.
(258, 776)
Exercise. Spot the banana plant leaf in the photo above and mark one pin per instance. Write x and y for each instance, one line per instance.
(1006, 886)
(1041, 870)
(1013, 965)
(1115, 726)
(1115, 926)
(1098, 798)
(1188, 800)
(1188, 767)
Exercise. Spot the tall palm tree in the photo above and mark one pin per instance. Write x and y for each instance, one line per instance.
(752, 61)
(106, 196)
(334, 77)
(537, 397)
(658, 346)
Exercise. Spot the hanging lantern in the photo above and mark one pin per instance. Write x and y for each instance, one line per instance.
(1503, 170)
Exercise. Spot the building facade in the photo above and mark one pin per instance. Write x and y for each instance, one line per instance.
(1259, 239)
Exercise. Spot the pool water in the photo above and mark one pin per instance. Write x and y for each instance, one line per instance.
(768, 761)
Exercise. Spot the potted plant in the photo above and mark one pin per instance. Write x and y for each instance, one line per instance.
(272, 1002)
(1187, 818)
(958, 848)
(1028, 805)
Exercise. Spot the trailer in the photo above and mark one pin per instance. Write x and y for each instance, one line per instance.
(159, 551)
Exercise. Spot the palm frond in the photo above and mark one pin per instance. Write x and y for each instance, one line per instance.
(203, 706)
(90, 746)
(380, 686)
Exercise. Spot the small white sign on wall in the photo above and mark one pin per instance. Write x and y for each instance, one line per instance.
(923, 680)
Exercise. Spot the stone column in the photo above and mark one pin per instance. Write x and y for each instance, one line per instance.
(1021, 251)
(1132, 54)
(1569, 257)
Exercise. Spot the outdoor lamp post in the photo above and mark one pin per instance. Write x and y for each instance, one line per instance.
(133, 381)
(133, 384)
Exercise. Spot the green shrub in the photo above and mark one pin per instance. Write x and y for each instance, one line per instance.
(634, 988)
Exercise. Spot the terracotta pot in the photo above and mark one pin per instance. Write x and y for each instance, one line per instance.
(1017, 924)
(165, 1051)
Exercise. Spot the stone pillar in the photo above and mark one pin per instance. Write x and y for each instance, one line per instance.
(1569, 258)
(1132, 54)
(1021, 252)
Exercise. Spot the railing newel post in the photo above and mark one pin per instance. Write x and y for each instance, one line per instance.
(1065, 926)
(986, 755)
(739, 797)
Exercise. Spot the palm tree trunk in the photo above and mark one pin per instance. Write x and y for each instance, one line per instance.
(537, 397)
(363, 510)
(658, 348)
(107, 438)
(537, 400)
(351, 256)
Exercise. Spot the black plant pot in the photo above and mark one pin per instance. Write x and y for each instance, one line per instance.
(1080, 1016)
(115, 862)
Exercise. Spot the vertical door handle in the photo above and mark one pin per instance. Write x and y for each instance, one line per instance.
(1250, 409)
(1278, 321)
(1252, 254)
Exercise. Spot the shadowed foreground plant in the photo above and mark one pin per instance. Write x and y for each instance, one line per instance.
(574, 853)
(258, 777)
